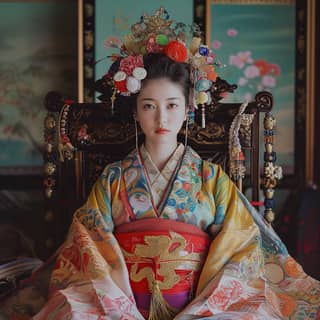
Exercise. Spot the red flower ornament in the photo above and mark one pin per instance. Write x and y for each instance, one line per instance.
(176, 50)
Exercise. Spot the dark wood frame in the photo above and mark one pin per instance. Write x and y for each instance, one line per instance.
(316, 133)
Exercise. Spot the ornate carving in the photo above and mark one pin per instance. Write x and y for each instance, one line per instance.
(115, 132)
(245, 136)
(108, 133)
(50, 153)
(264, 101)
(220, 87)
(214, 133)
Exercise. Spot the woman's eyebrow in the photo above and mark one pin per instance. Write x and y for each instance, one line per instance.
(174, 98)
(171, 98)
(143, 99)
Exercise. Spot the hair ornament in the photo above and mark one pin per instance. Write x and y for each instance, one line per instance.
(157, 33)
(131, 72)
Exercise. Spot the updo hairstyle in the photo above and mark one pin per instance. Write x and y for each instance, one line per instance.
(158, 66)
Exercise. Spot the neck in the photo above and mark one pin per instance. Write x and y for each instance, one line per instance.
(160, 153)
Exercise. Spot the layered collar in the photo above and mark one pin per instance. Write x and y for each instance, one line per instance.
(158, 180)
(180, 194)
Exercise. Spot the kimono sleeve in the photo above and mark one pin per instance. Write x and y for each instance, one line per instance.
(91, 250)
(96, 213)
(238, 234)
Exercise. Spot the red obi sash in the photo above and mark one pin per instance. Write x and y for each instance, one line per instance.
(164, 259)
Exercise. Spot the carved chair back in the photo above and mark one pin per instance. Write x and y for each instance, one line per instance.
(81, 138)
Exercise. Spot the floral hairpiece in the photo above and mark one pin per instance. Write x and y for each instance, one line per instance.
(158, 34)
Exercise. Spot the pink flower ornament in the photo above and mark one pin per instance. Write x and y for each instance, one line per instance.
(129, 63)
(130, 74)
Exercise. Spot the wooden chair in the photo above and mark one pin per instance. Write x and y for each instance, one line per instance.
(81, 138)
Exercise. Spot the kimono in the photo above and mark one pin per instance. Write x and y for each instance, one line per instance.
(139, 248)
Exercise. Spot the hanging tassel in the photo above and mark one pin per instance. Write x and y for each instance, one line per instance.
(203, 116)
(113, 98)
(159, 308)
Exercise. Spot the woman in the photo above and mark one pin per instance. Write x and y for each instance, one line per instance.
(165, 234)
(146, 243)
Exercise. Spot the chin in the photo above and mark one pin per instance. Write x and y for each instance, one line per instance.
(163, 139)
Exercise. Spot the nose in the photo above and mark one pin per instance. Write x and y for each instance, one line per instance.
(162, 117)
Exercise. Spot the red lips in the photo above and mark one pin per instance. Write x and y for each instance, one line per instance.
(162, 131)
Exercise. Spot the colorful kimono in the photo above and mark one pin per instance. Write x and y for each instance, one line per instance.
(137, 249)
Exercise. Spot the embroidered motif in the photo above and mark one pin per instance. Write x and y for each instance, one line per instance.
(167, 254)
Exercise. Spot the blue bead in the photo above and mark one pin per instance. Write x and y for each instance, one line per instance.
(269, 203)
(203, 85)
(268, 132)
(203, 50)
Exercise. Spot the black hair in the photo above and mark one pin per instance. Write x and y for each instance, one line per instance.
(157, 65)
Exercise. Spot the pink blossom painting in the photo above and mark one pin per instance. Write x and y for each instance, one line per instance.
(255, 43)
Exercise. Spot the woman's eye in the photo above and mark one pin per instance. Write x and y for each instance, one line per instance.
(172, 105)
(148, 106)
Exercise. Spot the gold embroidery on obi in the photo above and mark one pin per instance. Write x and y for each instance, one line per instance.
(168, 253)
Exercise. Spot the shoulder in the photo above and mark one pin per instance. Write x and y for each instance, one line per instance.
(217, 168)
(212, 170)
(206, 165)
(215, 174)
(192, 153)
(113, 170)
(209, 169)
(110, 173)
(191, 158)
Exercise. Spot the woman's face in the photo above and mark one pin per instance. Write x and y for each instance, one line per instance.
(161, 110)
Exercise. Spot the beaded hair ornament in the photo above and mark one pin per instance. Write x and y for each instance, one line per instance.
(157, 33)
